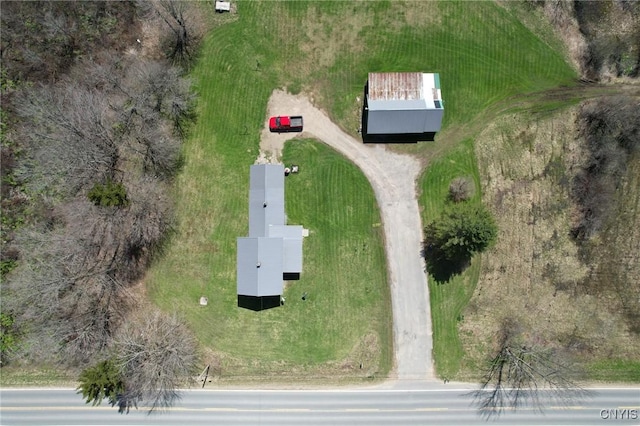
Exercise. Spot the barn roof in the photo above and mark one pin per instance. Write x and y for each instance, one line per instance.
(404, 90)
(393, 86)
(404, 103)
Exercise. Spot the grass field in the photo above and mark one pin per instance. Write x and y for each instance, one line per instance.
(345, 319)
(536, 274)
(448, 299)
(326, 49)
(483, 55)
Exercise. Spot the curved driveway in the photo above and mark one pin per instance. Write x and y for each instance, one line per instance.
(393, 178)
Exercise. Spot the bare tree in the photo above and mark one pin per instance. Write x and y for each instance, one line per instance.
(72, 284)
(71, 137)
(522, 375)
(63, 290)
(611, 131)
(112, 119)
(156, 355)
(461, 189)
(185, 28)
(41, 40)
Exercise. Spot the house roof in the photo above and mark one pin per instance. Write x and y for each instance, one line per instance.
(272, 247)
(291, 236)
(259, 267)
(266, 198)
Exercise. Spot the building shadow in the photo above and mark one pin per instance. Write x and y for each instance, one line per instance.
(258, 303)
(291, 276)
(391, 137)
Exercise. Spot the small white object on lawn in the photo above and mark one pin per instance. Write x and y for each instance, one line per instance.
(223, 6)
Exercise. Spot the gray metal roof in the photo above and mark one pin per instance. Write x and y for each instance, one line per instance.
(266, 198)
(272, 248)
(292, 246)
(404, 121)
(401, 103)
(259, 267)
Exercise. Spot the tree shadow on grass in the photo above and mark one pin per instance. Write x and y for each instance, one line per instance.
(442, 268)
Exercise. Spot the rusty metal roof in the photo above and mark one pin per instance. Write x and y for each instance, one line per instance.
(395, 86)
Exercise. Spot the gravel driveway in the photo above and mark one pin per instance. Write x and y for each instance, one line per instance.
(393, 178)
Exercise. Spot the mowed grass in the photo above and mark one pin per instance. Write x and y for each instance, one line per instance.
(448, 299)
(615, 370)
(348, 299)
(325, 49)
(344, 320)
(482, 52)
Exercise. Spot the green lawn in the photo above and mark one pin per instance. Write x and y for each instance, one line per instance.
(346, 316)
(615, 370)
(483, 55)
(448, 299)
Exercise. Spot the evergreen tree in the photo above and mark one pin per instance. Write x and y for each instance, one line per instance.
(461, 231)
(101, 381)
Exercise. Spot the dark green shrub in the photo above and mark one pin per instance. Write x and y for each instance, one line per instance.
(109, 194)
(451, 240)
(102, 381)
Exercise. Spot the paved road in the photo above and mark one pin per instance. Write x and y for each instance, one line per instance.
(393, 178)
(369, 407)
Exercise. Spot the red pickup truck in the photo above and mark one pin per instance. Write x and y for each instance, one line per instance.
(286, 123)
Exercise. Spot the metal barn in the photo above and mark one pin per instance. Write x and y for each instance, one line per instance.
(404, 103)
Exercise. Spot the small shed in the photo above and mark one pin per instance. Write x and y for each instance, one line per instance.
(403, 103)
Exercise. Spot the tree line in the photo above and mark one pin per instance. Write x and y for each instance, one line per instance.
(92, 129)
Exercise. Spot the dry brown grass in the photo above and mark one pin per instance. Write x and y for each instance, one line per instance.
(420, 14)
(323, 40)
(535, 274)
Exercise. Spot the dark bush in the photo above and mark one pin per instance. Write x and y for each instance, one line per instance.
(109, 195)
(463, 230)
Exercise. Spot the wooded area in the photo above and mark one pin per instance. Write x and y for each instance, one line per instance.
(93, 120)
